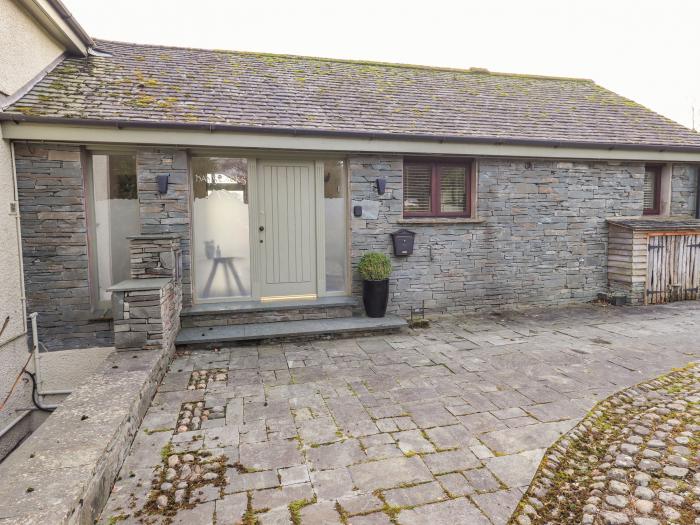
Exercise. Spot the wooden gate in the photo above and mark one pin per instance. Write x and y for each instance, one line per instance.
(673, 272)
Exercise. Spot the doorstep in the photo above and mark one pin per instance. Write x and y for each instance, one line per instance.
(288, 330)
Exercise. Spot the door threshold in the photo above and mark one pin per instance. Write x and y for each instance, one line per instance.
(260, 306)
(280, 298)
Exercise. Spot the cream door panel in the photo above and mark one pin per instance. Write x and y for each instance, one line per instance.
(287, 229)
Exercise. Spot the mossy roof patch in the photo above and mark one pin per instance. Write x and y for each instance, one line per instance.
(161, 84)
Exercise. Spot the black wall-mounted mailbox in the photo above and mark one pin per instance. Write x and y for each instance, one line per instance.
(403, 242)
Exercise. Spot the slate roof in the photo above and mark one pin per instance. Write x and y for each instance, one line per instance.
(157, 85)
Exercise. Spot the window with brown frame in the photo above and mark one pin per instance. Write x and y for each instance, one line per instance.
(436, 188)
(652, 189)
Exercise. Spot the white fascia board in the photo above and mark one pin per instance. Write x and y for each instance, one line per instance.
(52, 21)
(184, 138)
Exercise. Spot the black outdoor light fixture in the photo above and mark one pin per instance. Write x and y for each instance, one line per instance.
(381, 185)
(162, 183)
(357, 211)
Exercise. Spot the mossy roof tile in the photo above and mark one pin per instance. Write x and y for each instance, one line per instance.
(167, 85)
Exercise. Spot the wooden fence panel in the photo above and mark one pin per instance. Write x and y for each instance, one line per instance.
(673, 272)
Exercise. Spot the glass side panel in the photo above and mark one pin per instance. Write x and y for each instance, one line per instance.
(334, 191)
(453, 195)
(116, 216)
(221, 228)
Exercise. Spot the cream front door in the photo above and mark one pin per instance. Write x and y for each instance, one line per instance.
(287, 229)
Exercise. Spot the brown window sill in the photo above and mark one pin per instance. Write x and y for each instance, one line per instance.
(441, 220)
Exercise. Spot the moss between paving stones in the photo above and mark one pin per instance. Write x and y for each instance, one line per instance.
(562, 484)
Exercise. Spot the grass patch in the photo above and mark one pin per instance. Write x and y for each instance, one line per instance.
(296, 506)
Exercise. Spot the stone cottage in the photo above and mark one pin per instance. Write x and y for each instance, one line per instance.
(260, 180)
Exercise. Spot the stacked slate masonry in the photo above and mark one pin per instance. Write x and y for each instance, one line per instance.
(539, 236)
(55, 246)
(54, 209)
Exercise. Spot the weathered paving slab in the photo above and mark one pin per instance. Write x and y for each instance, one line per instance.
(442, 425)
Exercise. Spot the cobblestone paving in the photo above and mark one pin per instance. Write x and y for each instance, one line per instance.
(634, 459)
(443, 425)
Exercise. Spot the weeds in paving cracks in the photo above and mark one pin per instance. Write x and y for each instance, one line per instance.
(188, 471)
(295, 509)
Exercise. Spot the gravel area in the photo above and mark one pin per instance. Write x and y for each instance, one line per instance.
(635, 459)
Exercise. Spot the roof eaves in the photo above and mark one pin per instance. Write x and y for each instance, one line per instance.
(72, 22)
(58, 21)
(310, 132)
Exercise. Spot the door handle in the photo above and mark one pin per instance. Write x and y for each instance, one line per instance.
(261, 228)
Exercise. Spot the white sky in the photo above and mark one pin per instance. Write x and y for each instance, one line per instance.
(646, 50)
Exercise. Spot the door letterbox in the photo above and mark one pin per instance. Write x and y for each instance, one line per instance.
(403, 242)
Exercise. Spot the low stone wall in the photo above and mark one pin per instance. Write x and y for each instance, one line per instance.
(63, 473)
(146, 313)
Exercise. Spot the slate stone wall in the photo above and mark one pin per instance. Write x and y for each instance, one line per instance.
(55, 247)
(170, 212)
(147, 319)
(684, 187)
(542, 240)
(155, 256)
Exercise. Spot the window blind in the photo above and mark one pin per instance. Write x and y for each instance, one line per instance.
(417, 191)
(650, 181)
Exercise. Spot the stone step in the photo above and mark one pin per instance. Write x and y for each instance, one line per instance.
(253, 312)
(288, 330)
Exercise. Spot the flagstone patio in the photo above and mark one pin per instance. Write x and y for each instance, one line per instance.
(442, 425)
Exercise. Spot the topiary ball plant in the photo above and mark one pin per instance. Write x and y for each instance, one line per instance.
(374, 266)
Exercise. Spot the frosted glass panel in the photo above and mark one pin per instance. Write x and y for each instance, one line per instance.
(336, 211)
(221, 228)
(116, 216)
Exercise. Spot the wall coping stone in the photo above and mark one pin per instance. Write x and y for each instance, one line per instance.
(154, 236)
(63, 473)
(135, 285)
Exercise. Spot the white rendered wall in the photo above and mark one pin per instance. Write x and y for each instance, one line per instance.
(13, 346)
(25, 48)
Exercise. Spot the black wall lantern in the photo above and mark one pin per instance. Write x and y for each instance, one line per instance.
(162, 183)
(403, 242)
(381, 186)
(357, 211)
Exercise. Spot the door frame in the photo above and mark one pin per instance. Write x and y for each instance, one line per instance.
(254, 173)
(318, 160)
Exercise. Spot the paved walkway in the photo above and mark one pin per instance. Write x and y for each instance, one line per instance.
(443, 425)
